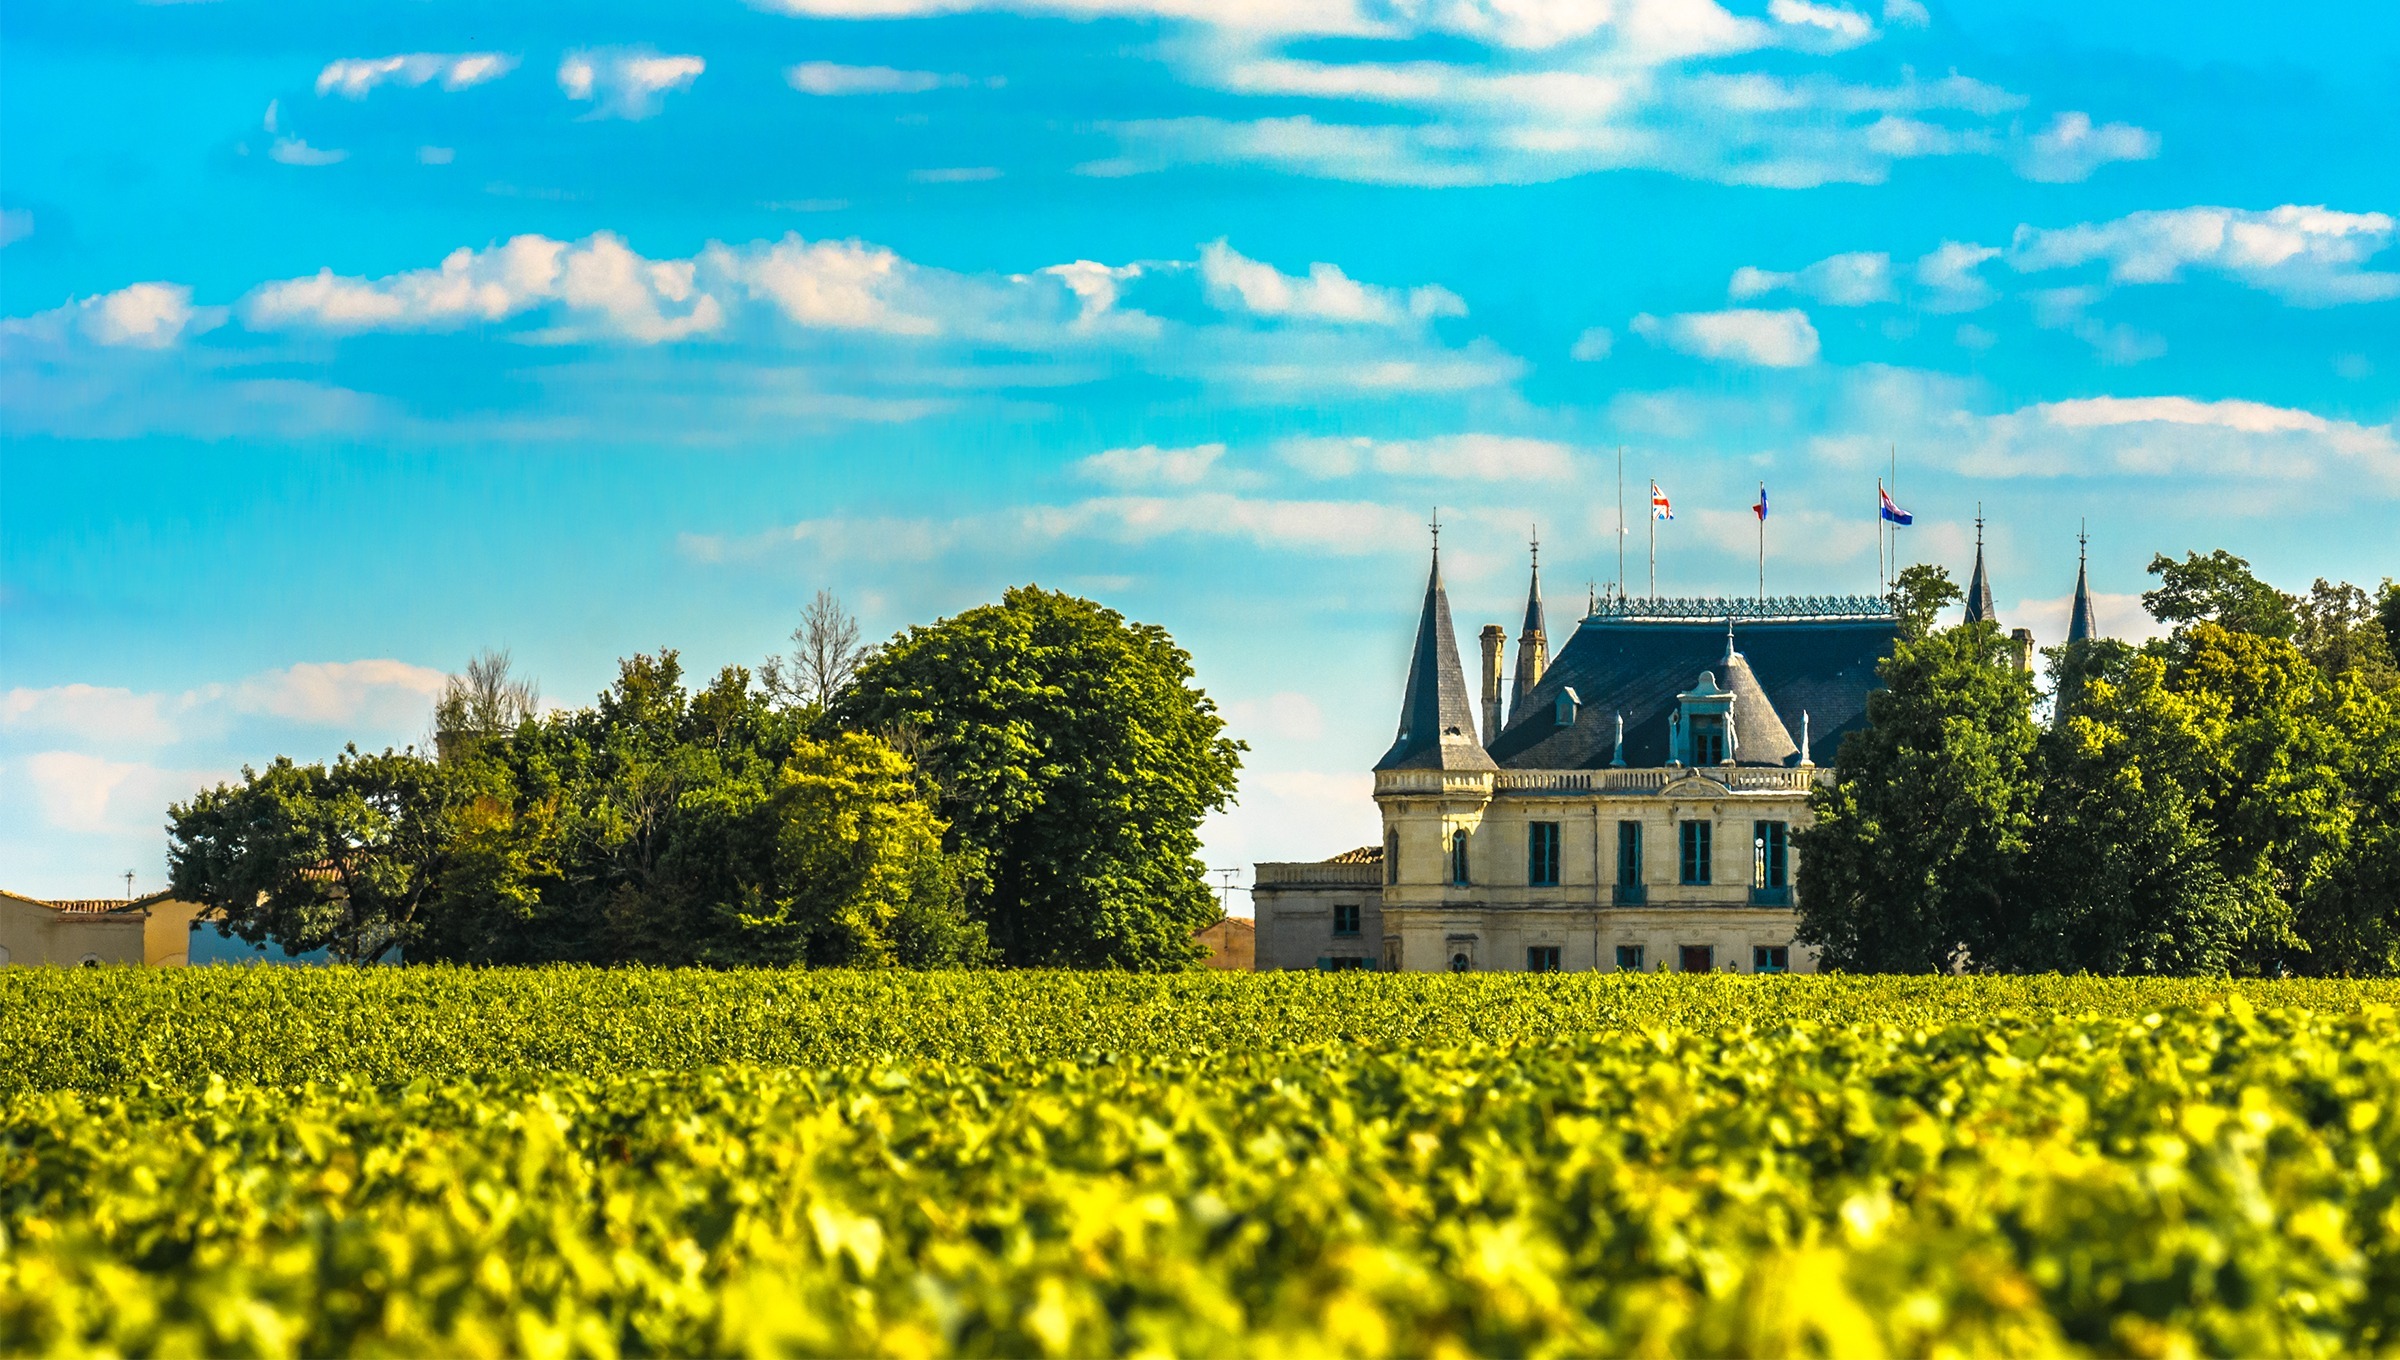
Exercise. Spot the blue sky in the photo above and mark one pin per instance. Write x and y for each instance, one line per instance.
(343, 341)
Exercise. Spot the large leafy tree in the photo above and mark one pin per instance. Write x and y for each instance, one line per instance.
(1919, 840)
(1075, 760)
(2220, 589)
(2122, 874)
(344, 857)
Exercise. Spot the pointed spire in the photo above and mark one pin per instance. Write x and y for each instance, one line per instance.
(1533, 592)
(1979, 586)
(2083, 624)
(1533, 645)
(1437, 717)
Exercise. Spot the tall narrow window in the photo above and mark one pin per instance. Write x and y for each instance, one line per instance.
(1391, 855)
(1695, 852)
(1771, 855)
(1542, 958)
(1458, 858)
(1629, 852)
(1541, 854)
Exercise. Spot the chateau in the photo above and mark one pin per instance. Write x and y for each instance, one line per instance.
(1632, 806)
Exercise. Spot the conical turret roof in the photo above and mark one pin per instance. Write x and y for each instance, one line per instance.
(2083, 624)
(1762, 737)
(1437, 717)
(1979, 588)
(1533, 603)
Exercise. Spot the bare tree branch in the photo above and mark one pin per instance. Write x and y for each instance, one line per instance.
(826, 655)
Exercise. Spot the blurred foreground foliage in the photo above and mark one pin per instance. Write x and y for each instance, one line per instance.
(565, 1161)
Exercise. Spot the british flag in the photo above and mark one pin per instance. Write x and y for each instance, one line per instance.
(1659, 509)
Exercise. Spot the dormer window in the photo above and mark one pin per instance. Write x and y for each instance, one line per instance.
(1568, 704)
(1708, 740)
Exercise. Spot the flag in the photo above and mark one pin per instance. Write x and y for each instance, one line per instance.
(1890, 511)
(1761, 508)
(1659, 509)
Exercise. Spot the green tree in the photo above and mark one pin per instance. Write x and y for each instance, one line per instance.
(2340, 630)
(2350, 914)
(344, 858)
(1919, 594)
(2122, 874)
(2218, 589)
(1919, 840)
(1074, 762)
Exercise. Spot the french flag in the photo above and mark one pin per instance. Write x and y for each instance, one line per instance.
(1890, 511)
(1659, 509)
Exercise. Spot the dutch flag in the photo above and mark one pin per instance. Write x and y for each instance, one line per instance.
(1890, 511)
(1761, 507)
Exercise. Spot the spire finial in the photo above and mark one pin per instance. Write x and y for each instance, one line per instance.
(1536, 544)
(1436, 526)
(1979, 526)
(2083, 539)
(1729, 652)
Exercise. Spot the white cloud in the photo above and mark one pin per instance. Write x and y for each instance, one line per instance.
(2308, 255)
(2071, 148)
(626, 82)
(137, 316)
(1238, 283)
(2185, 437)
(436, 155)
(355, 77)
(15, 225)
(1841, 27)
(91, 712)
(599, 282)
(956, 174)
(379, 692)
(1511, 23)
(1287, 716)
(1783, 339)
(1593, 345)
(828, 78)
(1150, 465)
(1482, 457)
(1852, 280)
(1909, 12)
(77, 792)
(294, 151)
(834, 285)
(1949, 275)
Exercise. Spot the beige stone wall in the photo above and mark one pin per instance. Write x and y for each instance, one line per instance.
(33, 932)
(1231, 944)
(1294, 907)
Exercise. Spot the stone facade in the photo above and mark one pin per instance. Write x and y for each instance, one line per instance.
(1567, 839)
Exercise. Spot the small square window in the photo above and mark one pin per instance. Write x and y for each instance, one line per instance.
(1542, 958)
(1699, 958)
(1629, 958)
(1345, 918)
(1771, 958)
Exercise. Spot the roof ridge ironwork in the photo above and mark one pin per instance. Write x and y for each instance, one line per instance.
(1685, 608)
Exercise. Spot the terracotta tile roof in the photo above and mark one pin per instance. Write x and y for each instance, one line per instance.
(91, 906)
(1365, 854)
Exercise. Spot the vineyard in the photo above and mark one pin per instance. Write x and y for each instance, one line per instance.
(558, 1162)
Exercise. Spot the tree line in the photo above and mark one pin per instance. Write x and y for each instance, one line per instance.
(1019, 785)
(2224, 799)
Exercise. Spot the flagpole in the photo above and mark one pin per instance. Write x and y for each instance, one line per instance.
(1762, 543)
(1654, 540)
(1620, 521)
(1882, 587)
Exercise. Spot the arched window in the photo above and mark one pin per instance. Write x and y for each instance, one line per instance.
(1460, 963)
(1458, 858)
(1391, 855)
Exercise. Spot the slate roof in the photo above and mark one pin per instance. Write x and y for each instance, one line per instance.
(1979, 591)
(1757, 728)
(1437, 719)
(1637, 666)
(2082, 624)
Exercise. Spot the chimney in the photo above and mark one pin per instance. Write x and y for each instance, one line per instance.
(2020, 649)
(1493, 640)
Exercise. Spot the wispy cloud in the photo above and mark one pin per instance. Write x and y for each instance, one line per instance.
(137, 316)
(829, 78)
(1852, 280)
(2313, 256)
(1237, 283)
(1482, 457)
(1150, 466)
(356, 77)
(2072, 147)
(1781, 339)
(626, 82)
